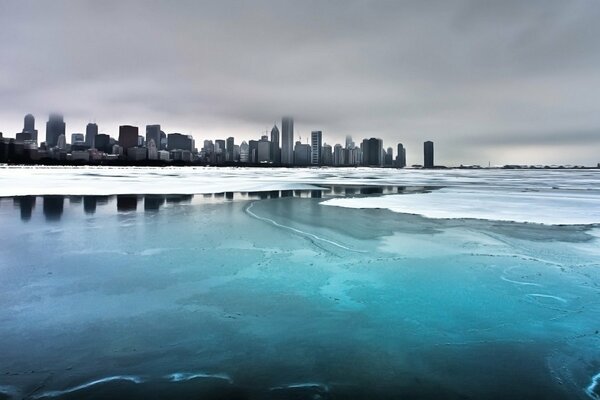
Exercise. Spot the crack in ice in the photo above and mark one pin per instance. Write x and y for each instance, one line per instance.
(311, 235)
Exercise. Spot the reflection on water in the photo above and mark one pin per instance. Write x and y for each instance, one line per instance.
(26, 205)
(53, 206)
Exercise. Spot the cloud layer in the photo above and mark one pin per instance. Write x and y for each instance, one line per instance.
(505, 82)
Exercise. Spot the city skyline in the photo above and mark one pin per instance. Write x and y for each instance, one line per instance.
(157, 146)
(503, 83)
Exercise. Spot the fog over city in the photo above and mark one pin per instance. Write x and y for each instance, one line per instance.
(500, 82)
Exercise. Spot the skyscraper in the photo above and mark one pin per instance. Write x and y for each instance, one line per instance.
(275, 149)
(372, 152)
(229, 144)
(128, 136)
(153, 133)
(54, 128)
(29, 130)
(428, 154)
(401, 156)
(316, 139)
(91, 131)
(287, 141)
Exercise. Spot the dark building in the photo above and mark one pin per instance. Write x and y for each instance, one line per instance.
(153, 133)
(389, 157)
(253, 151)
(29, 131)
(302, 154)
(275, 149)
(128, 136)
(54, 128)
(326, 155)
(372, 152)
(401, 156)
(103, 143)
(428, 154)
(316, 141)
(229, 145)
(179, 141)
(91, 132)
(287, 141)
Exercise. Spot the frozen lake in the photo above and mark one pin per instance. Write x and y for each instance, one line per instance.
(299, 284)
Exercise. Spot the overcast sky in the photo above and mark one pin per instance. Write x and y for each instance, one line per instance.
(502, 81)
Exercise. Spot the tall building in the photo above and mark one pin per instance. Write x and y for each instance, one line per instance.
(275, 149)
(316, 139)
(54, 128)
(103, 143)
(229, 145)
(287, 141)
(128, 136)
(179, 141)
(244, 152)
(372, 152)
(29, 131)
(153, 133)
(91, 132)
(338, 155)
(401, 156)
(389, 157)
(349, 142)
(302, 154)
(264, 150)
(152, 149)
(326, 154)
(428, 154)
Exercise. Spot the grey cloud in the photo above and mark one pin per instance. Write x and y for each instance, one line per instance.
(467, 74)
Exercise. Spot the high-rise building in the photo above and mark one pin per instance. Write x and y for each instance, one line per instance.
(287, 141)
(179, 141)
(263, 150)
(152, 149)
(153, 133)
(401, 156)
(54, 128)
(302, 154)
(349, 142)
(91, 132)
(372, 152)
(389, 157)
(128, 136)
(29, 131)
(338, 155)
(326, 154)
(275, 149)
(103, 143)
(229, 145)
(316, 139)
(244, 152)
(428, 154)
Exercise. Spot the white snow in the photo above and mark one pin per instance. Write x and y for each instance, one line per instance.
(538, 196)
(545, 207)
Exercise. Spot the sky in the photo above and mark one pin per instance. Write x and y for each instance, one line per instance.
(500, 82)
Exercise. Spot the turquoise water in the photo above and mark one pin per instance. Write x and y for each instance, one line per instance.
(273, 295)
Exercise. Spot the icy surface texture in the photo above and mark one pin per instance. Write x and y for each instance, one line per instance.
(274, 295)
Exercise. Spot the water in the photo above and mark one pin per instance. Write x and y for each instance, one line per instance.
(275, 295)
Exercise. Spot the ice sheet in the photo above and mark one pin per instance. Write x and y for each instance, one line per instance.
(552, 207)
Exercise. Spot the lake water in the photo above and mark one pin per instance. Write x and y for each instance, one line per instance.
(320, 287)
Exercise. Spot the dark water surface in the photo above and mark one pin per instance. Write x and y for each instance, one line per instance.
(273, 295)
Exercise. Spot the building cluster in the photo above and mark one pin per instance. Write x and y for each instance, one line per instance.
(277, 149)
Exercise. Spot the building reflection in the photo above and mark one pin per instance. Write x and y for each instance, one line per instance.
(127, 202)
(53, 207)
(153, 202)
(26, 205)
